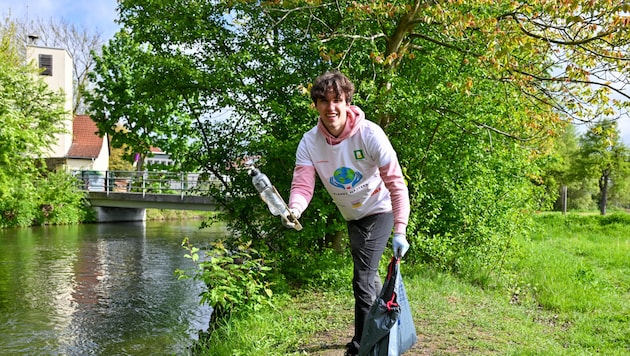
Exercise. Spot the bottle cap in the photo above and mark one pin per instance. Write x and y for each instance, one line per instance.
(253, 172)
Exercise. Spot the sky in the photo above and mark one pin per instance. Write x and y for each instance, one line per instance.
(100, 15)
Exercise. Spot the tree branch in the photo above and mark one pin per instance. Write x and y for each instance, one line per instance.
(521, 26)
(443, 111)
(353, 37)
(443, 44)
(577, 81)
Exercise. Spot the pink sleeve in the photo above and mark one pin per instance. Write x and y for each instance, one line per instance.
(395, 183)
(302, 187)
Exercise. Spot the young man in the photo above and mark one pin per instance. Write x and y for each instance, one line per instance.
(359, 168)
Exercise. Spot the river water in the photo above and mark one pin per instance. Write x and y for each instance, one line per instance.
(99, 289)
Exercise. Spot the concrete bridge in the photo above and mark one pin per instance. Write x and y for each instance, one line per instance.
(125, 195)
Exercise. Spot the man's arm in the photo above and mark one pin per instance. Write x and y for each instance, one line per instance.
(391, 174)
(302, 187)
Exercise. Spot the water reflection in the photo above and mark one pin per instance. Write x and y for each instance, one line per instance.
(105, 289)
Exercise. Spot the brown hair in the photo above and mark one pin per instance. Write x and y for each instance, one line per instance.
(333, 81)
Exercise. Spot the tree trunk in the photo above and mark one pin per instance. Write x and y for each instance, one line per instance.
(603, 190)
(563, 197)
(333, 240)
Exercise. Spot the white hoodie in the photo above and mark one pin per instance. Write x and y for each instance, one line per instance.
(359, 169)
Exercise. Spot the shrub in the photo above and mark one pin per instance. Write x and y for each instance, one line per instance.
(58, 200)
(236, 279)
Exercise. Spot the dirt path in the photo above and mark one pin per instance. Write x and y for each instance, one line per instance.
(332, 343)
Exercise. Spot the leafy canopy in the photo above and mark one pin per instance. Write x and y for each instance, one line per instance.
(469, 92)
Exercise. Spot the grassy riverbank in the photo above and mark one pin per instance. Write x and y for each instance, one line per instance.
(166, 214)
(567, 292)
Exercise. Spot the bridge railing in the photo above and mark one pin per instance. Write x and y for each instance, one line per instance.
(144, 182)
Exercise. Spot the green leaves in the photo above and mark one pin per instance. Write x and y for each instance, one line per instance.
(236, 278)
(470, 93)
(603, 157)
(31, 116)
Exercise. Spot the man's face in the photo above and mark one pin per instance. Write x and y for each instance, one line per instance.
(332, 112)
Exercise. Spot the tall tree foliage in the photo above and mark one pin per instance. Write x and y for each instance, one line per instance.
(31, 115)
(559, 170)
(468, 91)
(605, 159)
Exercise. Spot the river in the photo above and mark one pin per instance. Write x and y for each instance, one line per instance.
(99, 289)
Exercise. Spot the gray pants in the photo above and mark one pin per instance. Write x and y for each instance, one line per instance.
(368, 239)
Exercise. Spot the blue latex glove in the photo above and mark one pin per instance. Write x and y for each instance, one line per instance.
(400, 245)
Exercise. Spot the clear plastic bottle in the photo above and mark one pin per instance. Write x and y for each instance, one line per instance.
(268, 193)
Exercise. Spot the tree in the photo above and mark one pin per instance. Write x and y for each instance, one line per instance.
(31, 115)
(120, 157)
(559, 169)
(470, 92)
(604, 157)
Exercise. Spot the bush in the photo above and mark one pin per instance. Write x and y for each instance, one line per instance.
(16, 206)
(50, 199)
(236, 279)
(59, 202)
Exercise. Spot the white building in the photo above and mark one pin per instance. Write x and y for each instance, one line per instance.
(80, 147)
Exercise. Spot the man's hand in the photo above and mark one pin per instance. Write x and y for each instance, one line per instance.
(400, 245)
(287, 220)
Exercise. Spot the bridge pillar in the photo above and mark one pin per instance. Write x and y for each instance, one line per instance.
(111, 214)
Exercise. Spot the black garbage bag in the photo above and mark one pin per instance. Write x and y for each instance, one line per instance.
(389, 328)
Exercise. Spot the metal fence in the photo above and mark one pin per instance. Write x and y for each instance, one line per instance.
(144, 182)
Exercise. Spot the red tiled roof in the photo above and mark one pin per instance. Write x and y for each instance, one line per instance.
(85, 141)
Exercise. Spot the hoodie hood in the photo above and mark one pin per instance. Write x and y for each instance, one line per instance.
(353, 119)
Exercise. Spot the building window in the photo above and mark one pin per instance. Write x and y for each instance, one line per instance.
(46, 63)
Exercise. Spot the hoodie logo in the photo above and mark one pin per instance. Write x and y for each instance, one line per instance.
(358, 155)
(345, 178)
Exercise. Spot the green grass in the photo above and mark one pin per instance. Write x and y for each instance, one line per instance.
(566, 293)
(579, 269)
(167, 214)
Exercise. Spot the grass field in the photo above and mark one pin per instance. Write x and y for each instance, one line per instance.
(567, 292)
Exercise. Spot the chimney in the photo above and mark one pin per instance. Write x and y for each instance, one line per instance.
(32, 40)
